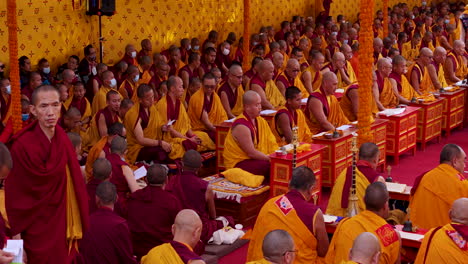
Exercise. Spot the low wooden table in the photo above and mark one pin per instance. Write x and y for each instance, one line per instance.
(401, 132)
(453, 110)
(281, 170)
(429, 124)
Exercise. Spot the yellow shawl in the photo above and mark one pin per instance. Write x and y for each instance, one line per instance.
(351, 75)
(409, 52)
(303, 134)
(425, 82)
(217, 115)
(123, 92)
(316, 78)
(407, 91)
(441, 76)
(163, 254)
(460, 67)
(298, 83)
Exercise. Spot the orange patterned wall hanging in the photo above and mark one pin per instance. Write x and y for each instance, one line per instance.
(13, 56)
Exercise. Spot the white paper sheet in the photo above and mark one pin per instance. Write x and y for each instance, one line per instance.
(140, 173)
(267, 112)
(344, 127)
(395, 187)
(230, 120)
(411, 236)
(16, 248)
(319, 134)
(170, 122)
(339, 91)
(329, 218)
(304, 100)
(390, 112)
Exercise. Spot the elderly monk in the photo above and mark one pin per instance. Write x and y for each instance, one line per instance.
(128, 87)
(161, 74)
(179, 134)
(5, 166)
(175, 63)
(365, 250)
(294, 213)
(140, 123)
(366, 174)
(447, 243)
(323, 110)
(151, 212)
(419, 72)
(186, 229)
(205, 109)
(410, 49)
(190, 71)
(278, 62)
(208, 61)
(382, 87)
(291, 77)
(439, 188)
(101, 171)
(146, 49)
(455, 65)
(400, 85)
(290, 116)
(312, 76)
(231, 92)
(100, 98)
(195, 193)
(45, 193)
(277, 247)
(80, 102)
(263, 84)
(378, 46)
(250, 140)
(130, 55)
(371, 220)
(108, 238)
(436, 69)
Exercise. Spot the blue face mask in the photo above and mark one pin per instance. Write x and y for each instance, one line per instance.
(24, 117)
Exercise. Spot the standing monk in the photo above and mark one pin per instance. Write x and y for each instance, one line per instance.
(45, 195)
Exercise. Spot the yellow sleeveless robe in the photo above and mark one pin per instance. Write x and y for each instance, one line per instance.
(303, 132)
(409, 52)
(217, 115)
(407, 91)
(272, 94)
(163, 254)
(298, 83)
(123, 92)
(425, 82)
(87, 113)
(441, 76)
(92, 134)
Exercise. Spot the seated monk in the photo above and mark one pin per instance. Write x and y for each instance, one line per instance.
(312, 76)
(122, 174)
(347, 81)
(231, 92)
(263, 84)
(151, 212)
(400, 85)
(248, 75)
(274, 47)
(283, 47)
(190, 71)
(175, 63)
(378, 46)
(382, 89)
(179, 134)
(208, 61)
(426, 41)
(277, 247)
(162, 72)
(95, 81)
(291, 76)
(35, 80)
(218, 78)
(108, 238)
(455, 65)
(125, 105)
(140, 123)
(205, 109)
(194, 85)
(298, 54)
(439, 188)
(145, 70)
(371, 220)
(146, 49)
(130, 55)
(223, 60)
(447, 243)
(103, 119)
(195, 193)
(366, 174)
(290, 116)
(278, 61)
(250, 140)
(5, 101)
(80, 102)
(365, 250)
(184, 49)
(294, 213)
(100, 98)
(436, 69)
(323, 110)
(410, 49)
(332, 47)
(128, 87)
(101, 171)
(186, 229)
(419, 72)
(71, 120)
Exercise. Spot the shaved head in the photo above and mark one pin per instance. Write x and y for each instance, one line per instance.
(106, 192)
(459, 211)
(187, 220)
(368, 151)
(376, 196)
(192, 159)
(276, 243)
(156, 174)
(366, 249)
(118, 145)
(72, 112)
(250, 97)
(338, 56)
(328, 76)
(264, 65)
(235, 68)
(383, 62)
(292, 63)
(439, 50)
(425, 52)
(102, 169)
(378, 41)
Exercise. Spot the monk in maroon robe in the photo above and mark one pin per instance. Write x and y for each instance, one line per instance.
(108, 238)
(102, 171)
(45, 182)
(190, 71)
(208, 61)
(151, 212)
(130, 55)
(5, 167)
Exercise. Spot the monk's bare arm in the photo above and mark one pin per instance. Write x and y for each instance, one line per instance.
(281, 87)
(245, 81)
(307, 81)
(415, 82)
(201, 71)
(265, 103)
(401, 99)
(434, 78)
(328, 55)
(376, 94)
(284, 127)
(130, 177)
(197, 261)
(226, 106)
(206, 121)
(175, 133)
(140, 137)
(242, 136)
(185, 79)
(321, 234)
(316, 108)
(102, 127)
(444, 43)
(448, 68)
(354, 97)
(344, 76)
(95, 86)
(209, 196)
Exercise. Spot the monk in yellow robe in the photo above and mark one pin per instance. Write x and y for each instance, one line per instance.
(366, 249)
(290, 116)
(175, 63)
(179, 134)
(378, 47)
(141, 125)
(294, 213)
(312, 76)
(186, 230)
(323, 110)
(371, 220)
(263, 84)
(80, 102)
(298, 54)
(230, 92)
(382, 87)
(250, 141)
(109, 83)
(400, 85)
(448, 243)
(410, 49)
(291, 76)
(205, 109)
(419, 73)
(436, 69)
(439, 188)
(366, 174)
(145, 70)
(129, 86)
(277, 247)
(455, 65)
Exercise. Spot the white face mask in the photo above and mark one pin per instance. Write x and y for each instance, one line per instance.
(405, 71)
(424, 3)
(226, 52)
(196, 47)
(447, 21)
(134, 53)
(94, 70)
(136, 78)
(46, 70)
(412, 17)
(345, 41)
(8, 89)
(189, 47)
(255, 44)
(113, 83)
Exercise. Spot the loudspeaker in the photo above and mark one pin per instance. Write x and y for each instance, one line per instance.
(101, 7)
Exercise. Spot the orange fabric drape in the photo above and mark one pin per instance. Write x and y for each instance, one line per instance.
(385, 17)
(245, 48)
(366, 61)
(14, 67)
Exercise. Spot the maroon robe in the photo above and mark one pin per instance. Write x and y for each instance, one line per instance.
(397, 79)
(222, 59)
(231, 95)
(89, 87)
(191, 74)
(305, 210)
(207, 66)
(27, 91)
(279, 35)
(120, 182)
(156, 81)
(151, 213)
(36, 193)
(258, 81)
(91, 189)
(128, 59)
(323, 98)
(110, 120)
(366, 169)
(108, 240)
(184, 252)
(80, 104)
(285, 80)
(4, 106)
(291, 114)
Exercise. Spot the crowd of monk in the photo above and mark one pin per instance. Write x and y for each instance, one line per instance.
(151, 109)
